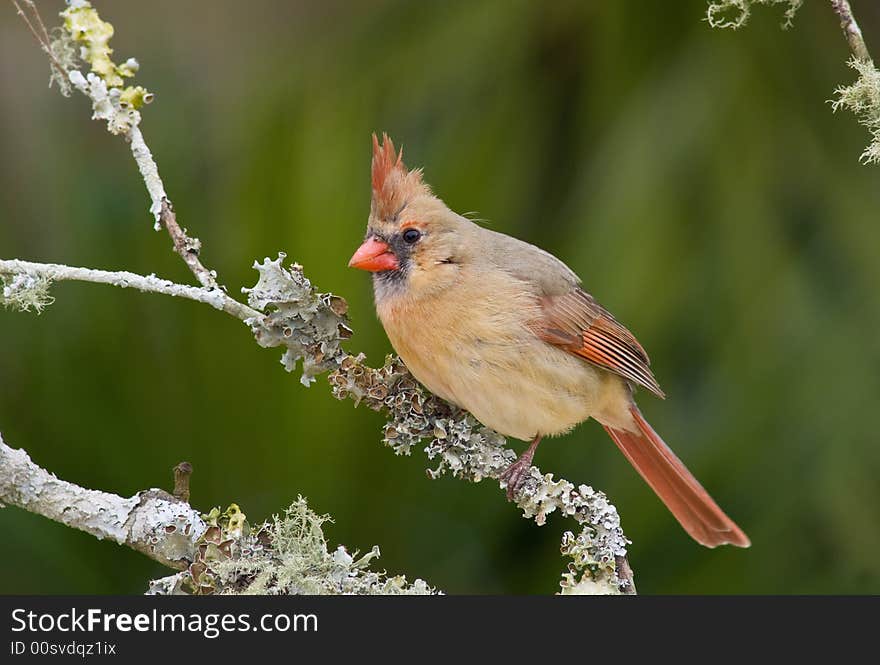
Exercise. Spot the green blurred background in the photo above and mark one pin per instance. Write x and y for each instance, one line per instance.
(696, 179)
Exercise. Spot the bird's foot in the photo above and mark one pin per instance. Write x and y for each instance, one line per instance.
(515, 475)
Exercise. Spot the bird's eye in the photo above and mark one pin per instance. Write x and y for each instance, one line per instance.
(411, 236)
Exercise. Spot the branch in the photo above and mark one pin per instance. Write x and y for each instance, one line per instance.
(851, 30)
(108, 106)
(862, 97)
(463, 447)
(151, 522)
(284, 310)
(735, 14)
(43, 274)
(218, 552)
(118, 106)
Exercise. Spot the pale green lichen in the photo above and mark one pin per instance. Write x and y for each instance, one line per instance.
(735, 14)
(84, 26)
(863, 99)
(63, 49)
(134, 97)
(24, 292)
(284, 556)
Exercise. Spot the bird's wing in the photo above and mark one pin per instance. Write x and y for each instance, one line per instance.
(575, 322)
(571, 319)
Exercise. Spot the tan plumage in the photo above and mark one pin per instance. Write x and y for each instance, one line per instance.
(504, 330)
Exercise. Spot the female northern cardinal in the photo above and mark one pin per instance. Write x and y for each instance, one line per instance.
(503, 329)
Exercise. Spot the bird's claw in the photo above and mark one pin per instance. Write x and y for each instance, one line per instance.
(514, 476)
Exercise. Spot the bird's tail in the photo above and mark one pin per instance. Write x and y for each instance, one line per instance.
(676, 486)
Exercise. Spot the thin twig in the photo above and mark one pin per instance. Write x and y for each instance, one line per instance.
(851, 30)
(42, 39)
(39, 20)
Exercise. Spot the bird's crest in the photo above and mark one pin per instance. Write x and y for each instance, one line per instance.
(393, 184)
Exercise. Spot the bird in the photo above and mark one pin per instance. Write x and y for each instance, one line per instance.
(506, 331)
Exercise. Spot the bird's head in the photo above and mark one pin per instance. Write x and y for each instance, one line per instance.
(413, 240)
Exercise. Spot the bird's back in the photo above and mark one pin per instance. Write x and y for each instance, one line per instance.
(543, 272)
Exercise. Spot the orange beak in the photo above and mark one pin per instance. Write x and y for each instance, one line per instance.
(375, 256)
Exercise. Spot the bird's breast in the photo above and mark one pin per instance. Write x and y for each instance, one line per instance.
(474, 347)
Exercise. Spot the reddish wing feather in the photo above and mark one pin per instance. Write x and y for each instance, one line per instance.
(577, 323)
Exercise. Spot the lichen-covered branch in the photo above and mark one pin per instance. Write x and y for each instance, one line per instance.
(461, 446)
(284, 310)
(862, 97)
(26, 286)
(284, 556)
(734, 14)
(215, 553)
(116, 104)
(152, 522)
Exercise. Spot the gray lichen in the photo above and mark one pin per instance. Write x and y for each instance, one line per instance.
(284, 556)
(863, 99)
(310, 325)
(735, 14)
(151, 522)
(163, 528)
(63, 49)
